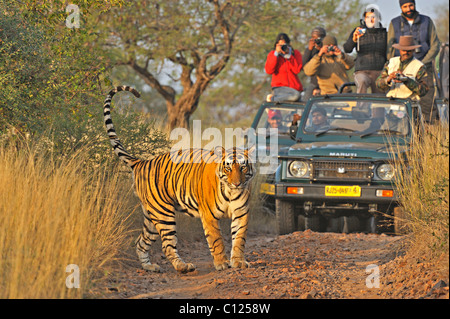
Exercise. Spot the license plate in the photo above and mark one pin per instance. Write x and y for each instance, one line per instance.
(348, 191)
(268, 189)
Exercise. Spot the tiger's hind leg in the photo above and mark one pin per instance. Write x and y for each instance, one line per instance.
(147, 237)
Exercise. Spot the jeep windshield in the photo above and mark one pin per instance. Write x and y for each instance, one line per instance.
(361, 118)
(279, 117)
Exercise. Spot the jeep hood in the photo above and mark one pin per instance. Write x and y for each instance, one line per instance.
(344, 149)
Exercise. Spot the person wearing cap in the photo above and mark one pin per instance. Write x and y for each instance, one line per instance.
(274, 120)
(330, 65)
(369, 39)
(404, 76)
(284, 63)
(314, 45)
(423, 30)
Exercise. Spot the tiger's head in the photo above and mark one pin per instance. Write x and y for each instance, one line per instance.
(235, 169)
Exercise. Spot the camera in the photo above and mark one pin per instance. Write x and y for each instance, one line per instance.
(400, 77)
(331, 48)
(361, 31)
(285, 48)
(318, 41)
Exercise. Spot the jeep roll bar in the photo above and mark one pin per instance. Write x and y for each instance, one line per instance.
(343, 86)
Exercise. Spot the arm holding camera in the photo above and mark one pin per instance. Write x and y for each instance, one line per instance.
(333, 50)
(281, 49)
(358, 33)
(417, 85)
(330, 50)
(397, 77)
(386, 79)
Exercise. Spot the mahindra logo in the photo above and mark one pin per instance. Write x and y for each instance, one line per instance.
(341, 170)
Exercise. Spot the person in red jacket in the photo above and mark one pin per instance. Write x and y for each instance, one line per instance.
(284, 63)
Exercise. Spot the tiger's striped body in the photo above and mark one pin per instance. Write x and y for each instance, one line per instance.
(207, 184)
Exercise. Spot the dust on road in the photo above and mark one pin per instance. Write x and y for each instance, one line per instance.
(299, 265)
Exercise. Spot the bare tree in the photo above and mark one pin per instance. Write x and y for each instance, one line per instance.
(197, 37)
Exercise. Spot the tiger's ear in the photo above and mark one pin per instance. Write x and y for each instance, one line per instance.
(219, 151)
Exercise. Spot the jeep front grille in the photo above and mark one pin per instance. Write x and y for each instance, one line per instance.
(341, 171)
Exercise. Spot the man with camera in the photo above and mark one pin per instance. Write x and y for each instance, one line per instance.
(369, 39)
(284, 64)
(423, 30)
(330, 65)
(404, 76)
(314, 46)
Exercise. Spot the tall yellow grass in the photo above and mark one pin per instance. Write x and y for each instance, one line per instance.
(52, 214)
(423, 185)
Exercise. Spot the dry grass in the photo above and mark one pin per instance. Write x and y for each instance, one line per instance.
(423, 185)
(53, 214)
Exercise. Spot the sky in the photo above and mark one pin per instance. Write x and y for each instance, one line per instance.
(390, 8)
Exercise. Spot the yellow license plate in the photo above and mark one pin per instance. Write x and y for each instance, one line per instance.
(268, 189)
(348, 191)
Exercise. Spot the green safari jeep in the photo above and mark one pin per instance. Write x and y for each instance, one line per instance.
(279, 115)
(338, 176)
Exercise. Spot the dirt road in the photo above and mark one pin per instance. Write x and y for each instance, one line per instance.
(299, 265)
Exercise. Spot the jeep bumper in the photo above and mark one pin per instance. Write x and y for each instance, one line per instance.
(336, 194)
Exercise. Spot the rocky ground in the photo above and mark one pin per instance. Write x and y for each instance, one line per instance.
(301, 265)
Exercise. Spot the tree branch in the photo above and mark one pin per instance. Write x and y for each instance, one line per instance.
(167, 92)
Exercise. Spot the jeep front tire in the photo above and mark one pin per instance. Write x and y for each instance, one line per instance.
(285, 217)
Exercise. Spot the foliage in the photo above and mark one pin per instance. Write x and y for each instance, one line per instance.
(52, 79)
(442, 22)
(423, 183)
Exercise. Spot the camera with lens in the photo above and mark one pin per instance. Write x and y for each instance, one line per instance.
(285, 48)
(401, 77)
(318, 41)
(331, 48)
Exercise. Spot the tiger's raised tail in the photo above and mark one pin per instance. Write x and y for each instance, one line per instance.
(115, 142)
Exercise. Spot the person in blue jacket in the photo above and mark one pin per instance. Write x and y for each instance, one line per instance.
(422, 28)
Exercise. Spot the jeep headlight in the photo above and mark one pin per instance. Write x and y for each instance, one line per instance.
(386, 171)
(298, 168)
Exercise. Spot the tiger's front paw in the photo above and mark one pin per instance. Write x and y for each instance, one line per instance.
(183, 267)
(222, 264)
(151, 267)
(239, 263)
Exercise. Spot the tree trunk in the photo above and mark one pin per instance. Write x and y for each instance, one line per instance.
(180, 112)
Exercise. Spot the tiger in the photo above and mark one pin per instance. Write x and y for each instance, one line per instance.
(210, 185)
